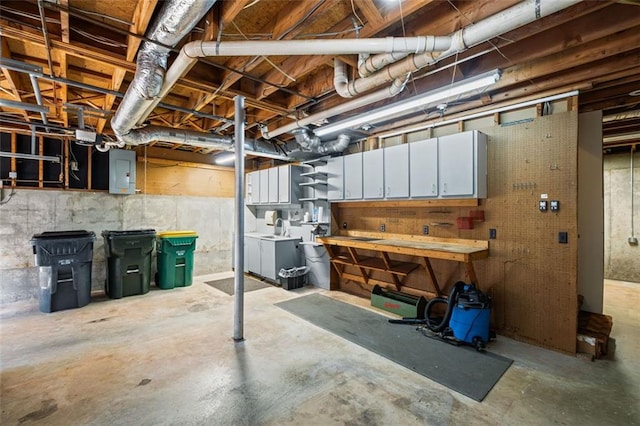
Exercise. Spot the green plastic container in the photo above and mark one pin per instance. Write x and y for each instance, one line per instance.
(128, 255)
(405, 305)
(175, 258)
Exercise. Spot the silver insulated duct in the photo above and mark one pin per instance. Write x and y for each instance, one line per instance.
(311, 143)
(176, 19)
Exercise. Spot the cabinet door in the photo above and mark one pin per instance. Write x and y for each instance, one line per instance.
(423, 168)
(372, 174)
(268, 259)
(396, 171)
(335, 178)
(353, 176)
(273, 185)
(284, 184)
(252, 255)
(264, 186)
(456, 164)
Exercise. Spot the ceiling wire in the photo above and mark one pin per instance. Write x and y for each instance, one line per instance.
(353, 8)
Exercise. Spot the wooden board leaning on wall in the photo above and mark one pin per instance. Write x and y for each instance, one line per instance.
(169, 177)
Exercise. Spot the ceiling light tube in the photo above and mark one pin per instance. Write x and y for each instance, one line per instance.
(415, 103)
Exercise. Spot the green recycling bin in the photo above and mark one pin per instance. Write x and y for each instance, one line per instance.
(175, 258)
(128, 255)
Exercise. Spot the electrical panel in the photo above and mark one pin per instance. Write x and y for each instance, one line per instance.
(122, 171)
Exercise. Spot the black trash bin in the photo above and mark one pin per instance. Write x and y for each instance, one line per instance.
(128, 256)
(64, 260)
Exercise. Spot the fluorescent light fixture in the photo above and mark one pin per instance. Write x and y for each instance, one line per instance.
(225, 158)
(460, 89)
(483, 113)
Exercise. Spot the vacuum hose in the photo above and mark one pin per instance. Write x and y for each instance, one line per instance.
(433, 324)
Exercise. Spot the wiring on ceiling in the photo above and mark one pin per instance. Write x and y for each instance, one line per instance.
(353, 8)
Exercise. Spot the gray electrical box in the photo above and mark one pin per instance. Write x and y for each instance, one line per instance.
(122, 171)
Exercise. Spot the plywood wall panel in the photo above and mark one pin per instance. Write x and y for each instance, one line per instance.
(531, 277)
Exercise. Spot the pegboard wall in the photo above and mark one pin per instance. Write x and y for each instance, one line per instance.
(531, 276)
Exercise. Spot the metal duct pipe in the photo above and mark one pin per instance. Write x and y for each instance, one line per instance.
(190, 52)
(396, 87)
(38, 95)
(471, 35)
(313, 143)
(196, 139)
(23, 106)
(176, 20)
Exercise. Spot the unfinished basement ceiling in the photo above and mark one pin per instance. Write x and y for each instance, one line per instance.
(592, 46)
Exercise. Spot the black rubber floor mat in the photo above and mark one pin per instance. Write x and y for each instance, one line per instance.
(460, 368)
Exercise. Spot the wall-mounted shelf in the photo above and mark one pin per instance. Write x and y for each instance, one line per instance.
(313, 199)
(313, 173)
(314, 183)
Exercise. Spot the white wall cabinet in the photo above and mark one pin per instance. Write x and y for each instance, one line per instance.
(396, 171)
(373, 174)
(423, 168)
(353, 176)
(284, 184)
(335, 178)
(273, 185)
(462, 165)
(264, 186)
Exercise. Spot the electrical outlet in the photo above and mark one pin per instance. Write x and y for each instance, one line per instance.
(382, 228)
(542, 205)
(633, 241)
(563, 237)
(492, 233)
(425, 229)
(73, 165)
(344, 225)
(13, 175)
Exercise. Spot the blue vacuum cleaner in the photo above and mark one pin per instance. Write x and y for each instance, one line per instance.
(466, 318)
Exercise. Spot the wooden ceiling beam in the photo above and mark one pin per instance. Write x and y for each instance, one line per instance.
(370, 12)
(284, 27)
(12, 77)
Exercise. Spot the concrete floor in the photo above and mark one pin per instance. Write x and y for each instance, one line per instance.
(168, 358)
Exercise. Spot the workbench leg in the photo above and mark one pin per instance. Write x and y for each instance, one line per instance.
(471, 273)
(432, 275)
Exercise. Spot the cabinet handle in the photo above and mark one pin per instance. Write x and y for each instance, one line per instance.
(444, 188)
(388, 190)
(433, 188)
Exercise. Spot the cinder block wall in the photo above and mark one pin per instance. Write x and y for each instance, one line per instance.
(31, 212)
(621, 260)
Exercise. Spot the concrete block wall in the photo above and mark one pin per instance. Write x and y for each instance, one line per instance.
(31, 212)
(621, 260)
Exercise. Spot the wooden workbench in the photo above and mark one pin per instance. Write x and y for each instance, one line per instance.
(344, 250)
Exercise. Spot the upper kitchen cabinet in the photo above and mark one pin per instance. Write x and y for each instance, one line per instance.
(273, 185)
(396, 171)
(372, 176)
(264, 186)
(335, 178)
(462, 165)
(423, 168)
(353, 176)
(288, 184)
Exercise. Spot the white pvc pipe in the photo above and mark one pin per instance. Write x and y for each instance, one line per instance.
(190, 53)
(471, 35)
(394, 89)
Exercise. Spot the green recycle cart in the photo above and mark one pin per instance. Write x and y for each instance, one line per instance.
(175, 258)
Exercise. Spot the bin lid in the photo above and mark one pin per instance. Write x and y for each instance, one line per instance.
(132, 232)
(177, 234)
(64, 234)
